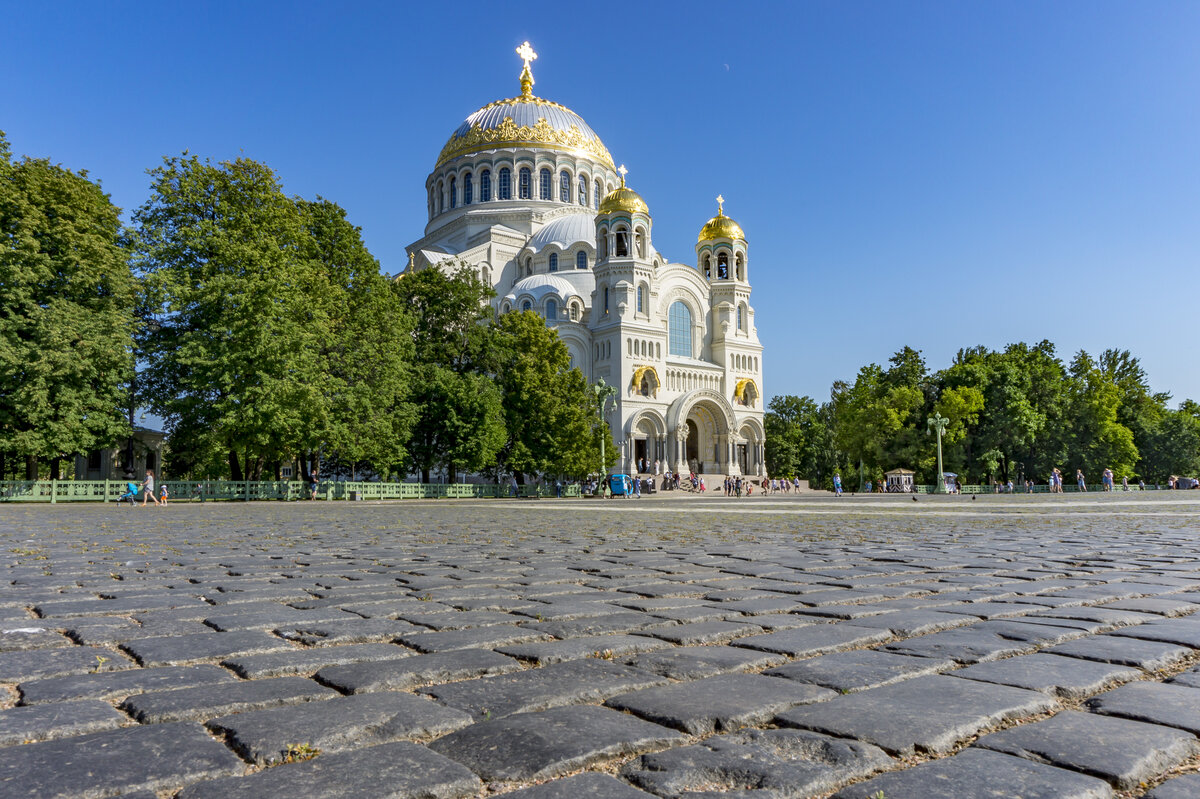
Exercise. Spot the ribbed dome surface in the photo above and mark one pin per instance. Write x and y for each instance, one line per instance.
(525, 122)
(538, 286)
(624, 199)
(721, 227)
(565, 232)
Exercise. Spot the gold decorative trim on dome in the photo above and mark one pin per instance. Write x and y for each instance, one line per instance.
(509, 133)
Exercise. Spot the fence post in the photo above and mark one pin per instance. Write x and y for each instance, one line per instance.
(106, 490)
(246, 492)
(53, 492)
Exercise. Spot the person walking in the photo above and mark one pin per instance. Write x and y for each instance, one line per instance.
(148, 488)
(1080, 482)
(1125, 482)
(164, 494)
(315, 481)
(837, 484)
(1107, 479)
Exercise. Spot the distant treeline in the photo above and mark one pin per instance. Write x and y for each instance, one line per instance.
(1013, 415)
(260, 329)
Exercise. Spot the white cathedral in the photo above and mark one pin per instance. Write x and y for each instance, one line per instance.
(525, 193)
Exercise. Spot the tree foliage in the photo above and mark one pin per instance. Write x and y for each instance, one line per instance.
(67, 316)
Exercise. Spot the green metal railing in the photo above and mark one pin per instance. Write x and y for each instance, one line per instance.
(1037, 489)
(55, 491)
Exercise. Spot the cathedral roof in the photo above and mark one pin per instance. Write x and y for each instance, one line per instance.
(624, 199)
(721, 226)
(565, 232)
(538, 286)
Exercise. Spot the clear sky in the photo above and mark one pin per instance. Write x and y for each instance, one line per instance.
(939, 175)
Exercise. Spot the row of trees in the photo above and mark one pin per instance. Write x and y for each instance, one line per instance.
(1013, 414)
(264, 334)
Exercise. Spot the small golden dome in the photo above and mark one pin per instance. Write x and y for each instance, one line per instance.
(721, 226)
(624, 199)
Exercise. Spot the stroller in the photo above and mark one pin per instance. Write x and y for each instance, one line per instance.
(131, 492)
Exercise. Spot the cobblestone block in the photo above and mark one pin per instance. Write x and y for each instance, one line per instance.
(1149, 655)
(767, 763)
(1185, 787)
(207, 701)
(533, 746)
(399, 770)
(350, 722)
(23, 634)
(722, 703)
(44, 722)
(1183, 632)
(979, 774)
(307, 661)
(119, 684)
(34, 664)
(349, 631)
(182, 650)
(1156, 703)
(475, 638)
(1123, 752)
(926, 714)
(114, 762)
(588, 785)
(604, 646)
(705, 632)
(607, 624)
(1070, 678)
(572, 682)
(856, 671)
(408, 673)
(815, 639)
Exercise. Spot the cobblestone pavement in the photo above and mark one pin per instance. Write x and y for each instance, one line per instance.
(863, 647)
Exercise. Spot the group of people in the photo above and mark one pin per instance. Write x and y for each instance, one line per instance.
(146, 489)
(1107, 482)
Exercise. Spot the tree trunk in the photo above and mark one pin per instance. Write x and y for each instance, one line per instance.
(424, 474)
(55, 466)
(31, 467)
(235, 467)
(278, 472)
(452, 473)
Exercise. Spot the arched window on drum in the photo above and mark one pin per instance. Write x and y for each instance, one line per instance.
(551, 310)
(485, 186)
(525, 184)
(544, 179)
(583, 197)
(504, 190)
(679, 329)
(581, 260)
(564, 186)
(554, 266)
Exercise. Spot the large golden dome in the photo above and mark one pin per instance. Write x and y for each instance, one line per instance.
(525, 121)
(721, 227)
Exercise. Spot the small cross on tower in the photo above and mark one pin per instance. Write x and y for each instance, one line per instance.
(623, 172)
(720, 205)
(526, 53)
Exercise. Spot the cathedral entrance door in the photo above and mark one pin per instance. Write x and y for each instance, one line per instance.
(742, 459)
(640, 455)
(693, 446)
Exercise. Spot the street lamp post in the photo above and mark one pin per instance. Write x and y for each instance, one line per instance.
(938, 422)
(604, 393)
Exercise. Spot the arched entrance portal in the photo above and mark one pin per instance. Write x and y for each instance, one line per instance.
(701, 429)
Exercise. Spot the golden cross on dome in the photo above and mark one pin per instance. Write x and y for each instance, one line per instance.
(623, 172)
(526, 53)
(720, 205)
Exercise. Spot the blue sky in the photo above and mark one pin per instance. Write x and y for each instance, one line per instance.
(939, 175)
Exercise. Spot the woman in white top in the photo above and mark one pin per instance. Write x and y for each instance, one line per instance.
(148, 488)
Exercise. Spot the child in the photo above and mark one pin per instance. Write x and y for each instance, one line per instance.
(164, 494)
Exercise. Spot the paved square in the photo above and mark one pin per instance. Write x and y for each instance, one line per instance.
(774, 647)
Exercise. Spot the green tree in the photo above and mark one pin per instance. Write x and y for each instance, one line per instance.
(798, 438)
(366, 346)
(67, 316)
(548, 409)
(1096, 439)
(235, 355)
(877, 416)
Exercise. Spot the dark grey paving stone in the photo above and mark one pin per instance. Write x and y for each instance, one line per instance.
(600, 646)
(23, 634)
(993, 610)
(1105, 615)
(695, 662)
(815, 639)
(988, 640)
(706, 632)
(857, 671)
(1186, 787)
(279, 616)
(905, 623)
(1123, 752)
(182, 650)
(926, 714)
(607, 624)
(1070, 678)
(475, 638)
(119, 684)
(532, 746)
(1156, 703)
(92, 633)
(979, 774)
(115, 762)
(1184, 632)
(1188, 679)
(461, 620)
(572, 682)
(400, 770)
(116, 607)
(1149, 655)
(350, 631)
(589, 785)
(349, 722)
(698, 613)
(207, 701)
(722, 703)
(566, 610)
(60, 720)
(37, 664)
(767, 763)
(307, 661)
(1162, 606)
(762, 605)
(408, 673)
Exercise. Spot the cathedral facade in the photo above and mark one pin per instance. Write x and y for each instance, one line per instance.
(525, 193)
